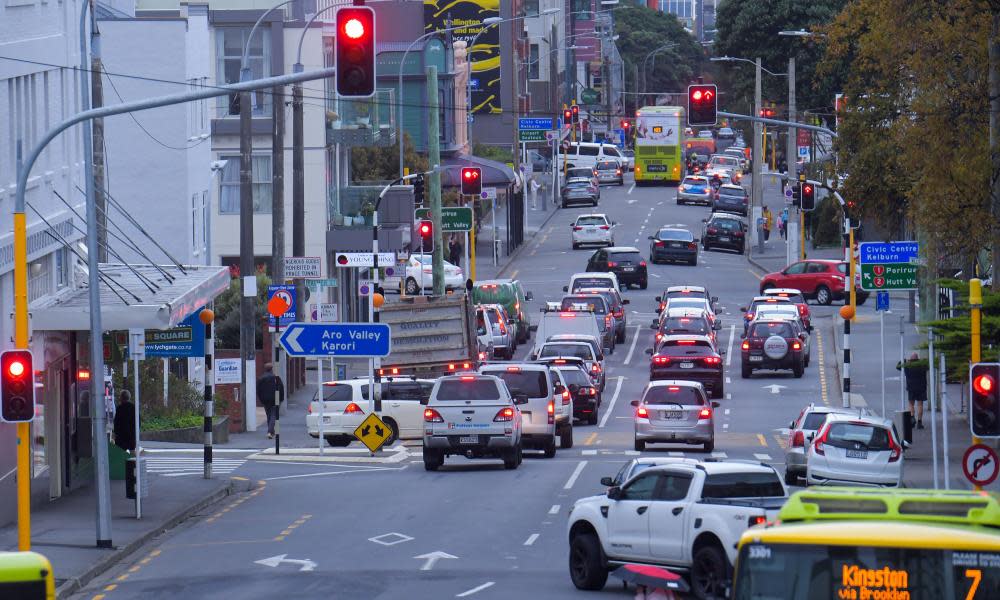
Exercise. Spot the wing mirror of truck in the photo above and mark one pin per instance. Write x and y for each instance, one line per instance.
(607, 481)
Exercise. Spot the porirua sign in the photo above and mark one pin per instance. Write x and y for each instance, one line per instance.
(888, 265)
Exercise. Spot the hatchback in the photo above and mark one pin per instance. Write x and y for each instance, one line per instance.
(689, 357)
(851, 449)
(585, 393)
(694, 188)
(624, 261)
(801, 432)
(673, 244)
(821, 279)
(609, 171)
(732, 198)
(593, 229)
(674, 411)
(724, 231)
(579, 191)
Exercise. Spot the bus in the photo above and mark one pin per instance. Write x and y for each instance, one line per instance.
(866, 543)
(659, 132)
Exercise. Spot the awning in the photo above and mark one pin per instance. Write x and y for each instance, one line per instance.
(495, 174)
(127, 301)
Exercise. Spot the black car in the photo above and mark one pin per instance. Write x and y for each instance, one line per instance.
(724, 231)
(732, 198)
(586, 396)
(670, 244)
(772, 344)
(624, 261)
(689, 358)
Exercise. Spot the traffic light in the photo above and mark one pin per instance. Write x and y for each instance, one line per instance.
(17, 386)
(808, 196)
(984, 379)
(355, 51)
(767, 113)
(567, 117)
(702, 104)
(418, 190)
(797, 195)
(575, 110)
(472, 180)
(626, 125)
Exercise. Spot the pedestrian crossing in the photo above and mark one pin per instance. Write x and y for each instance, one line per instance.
(179, 466)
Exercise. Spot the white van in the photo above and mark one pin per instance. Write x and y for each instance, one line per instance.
(588, 154)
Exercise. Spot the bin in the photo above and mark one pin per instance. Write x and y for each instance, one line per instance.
(116, 462)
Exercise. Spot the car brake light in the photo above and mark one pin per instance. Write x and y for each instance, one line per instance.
(661, 360)
(504, 415)
(738, 234)
(503, 328)
(596, 368)
(611, 263)
(642, 263)
(713, 230)
(565, 397)
(685, 342)
(642, 413)
(560, 361)
(803, 309)
(659, 336)
(353, 408)
(513, 369)
(552, 412)
(692, 246)
(796, 346)
(467, 378)
(712, 360)
(432, 416)
(894, 450)
(309, 409)
(705, 413)
(749, 316)
(660, 244)
(604, 227)
(620, 313)
(618, 171)
(818, 444)
(482, 356)
(757, 520)
(577, 228)
(567, 315)
(798, 439)
(745, 345)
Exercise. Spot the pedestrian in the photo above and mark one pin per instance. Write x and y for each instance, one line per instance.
(768, 221)
(270, 394)
(916, 387)
(455, 251)
(783, 224)
(124, 428)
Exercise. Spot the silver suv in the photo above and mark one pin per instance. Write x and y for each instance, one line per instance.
(541, 417)
(475, 416)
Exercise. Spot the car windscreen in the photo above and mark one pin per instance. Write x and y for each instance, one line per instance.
(684, 325)
(733, 192)
(591, 282)
(814, 420)
(594, 304)
(468, 389)
(726, 224)
(573, 375)
(766, 330)
(850, 435)
(718, 159)
(675, 234)
(532, 383)
(673, 394)
(625, 256)
(742, 485)
(583, 351)
(591, 221)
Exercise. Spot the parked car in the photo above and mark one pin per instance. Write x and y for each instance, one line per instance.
(772, 345)
(624, 261)
(609, 171)
(673, 244)
(579, 191)
(801, 432)
(732, 198)
(852, 449)
(420, 274)
(820, 279)
(723, 230)
(511, 295)
(694, 189)
(688, 357)
(594, 228)
(345, 406)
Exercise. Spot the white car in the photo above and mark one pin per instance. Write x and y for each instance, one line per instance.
(581, 281)
(855, 449)
(420, 273)
(345, 406)
(595, 228)
(803, 428)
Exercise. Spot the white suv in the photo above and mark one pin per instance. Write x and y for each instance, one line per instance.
(345, 406)
(593, 229)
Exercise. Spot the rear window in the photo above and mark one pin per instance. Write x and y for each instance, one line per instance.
(673, 394)
(594, 304)
(611, 151)
(742, 485)
(583, 351)
(591, 221)
(574, 376)
(686, 302)
(765, 330)
(533, 383)
(685, 294)
(474, 389)
(699, 348)
(727, 224)
(842, 267)
(675, 234)
(591, 282)
(849, 435)
(497, 293)
(814, 421)
(695, 181)
(632, 256)
(684, 325)
(607, 166)
(340, 393)
(579, 172)
(732, 192)
(578, 183)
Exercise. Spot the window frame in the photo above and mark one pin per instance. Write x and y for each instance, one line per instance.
(262, 189)
(259, 64)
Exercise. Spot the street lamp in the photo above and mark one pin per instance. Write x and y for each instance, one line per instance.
(645, 61)
(746, 60)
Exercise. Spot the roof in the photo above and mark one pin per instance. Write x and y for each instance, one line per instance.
(732, 186)
(685, 311)
(773, 291)
(682, 288)
(495, 174)
(869, 418)
(622, 249)
(852, 532)
(684, 337)
(128, 302)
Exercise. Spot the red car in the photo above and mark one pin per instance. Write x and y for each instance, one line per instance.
(821, 279)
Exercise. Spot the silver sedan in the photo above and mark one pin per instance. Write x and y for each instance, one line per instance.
(674, 411)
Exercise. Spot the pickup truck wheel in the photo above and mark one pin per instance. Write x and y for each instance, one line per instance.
(520, 454)
(566, 437)
(708, 573)
(585, 565)
(433, 459)
(412, 288)
(550, 448)
(510, 459)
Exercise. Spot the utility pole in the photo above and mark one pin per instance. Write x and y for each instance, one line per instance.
(248, 276)
(993, 51)
(791, 149)
(298, 189)
(434, 183)
(278, 214)
(757, 189)
(100, 185)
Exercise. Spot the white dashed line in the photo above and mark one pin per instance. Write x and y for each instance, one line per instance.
(611, 407)
(554, 510)
(632, 187)
(531, 539)
(727, 411)
(675, 454)
(576, 473)
(729, 347)
(475, 589)
(588, 452)
(631, 349)
(719, 455)
(762, 456)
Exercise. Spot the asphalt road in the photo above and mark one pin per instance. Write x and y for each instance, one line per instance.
(472, 529)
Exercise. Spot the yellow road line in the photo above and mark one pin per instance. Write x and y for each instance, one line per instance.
(762, 439)
(759, 277)
(512, 275)
(590, 439)
(822, 369)
(101, 596)
(110, 588)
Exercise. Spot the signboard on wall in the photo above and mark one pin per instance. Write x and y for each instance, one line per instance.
(485, 56)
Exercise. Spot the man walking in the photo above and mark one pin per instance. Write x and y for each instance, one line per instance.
(270, 393)
(455, 251)
(916, 387)
(768, 221)
(124, 427)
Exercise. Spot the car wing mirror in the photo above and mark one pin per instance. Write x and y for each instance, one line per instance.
(717, 326)
(626, 301)
(716, 404)
(657, 299)
(791, 425)
(529, 296)
(649, 237)
(650, 351)
(565, 288)
(607, 481)
(743, 308)
(634, 403)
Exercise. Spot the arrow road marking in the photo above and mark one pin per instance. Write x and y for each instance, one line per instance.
(775, 388)
(274, 561)
(430, 559)
(291, 339)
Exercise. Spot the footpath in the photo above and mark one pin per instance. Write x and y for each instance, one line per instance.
(867, 361)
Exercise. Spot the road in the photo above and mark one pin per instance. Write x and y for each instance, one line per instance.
(331, 528)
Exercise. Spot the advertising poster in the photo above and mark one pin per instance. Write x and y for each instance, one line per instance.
(485, 55)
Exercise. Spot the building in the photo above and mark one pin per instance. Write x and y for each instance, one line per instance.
(546, 58)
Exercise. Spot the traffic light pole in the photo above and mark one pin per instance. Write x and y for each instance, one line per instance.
(975, 334)
(434, 157)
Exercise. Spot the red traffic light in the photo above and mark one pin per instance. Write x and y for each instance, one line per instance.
(353, 28)
(807, 189)
(425, 228)
(702, 108)
(17, 387)
(354, 47)
(472, 180)
(984, 384)
(15, 368)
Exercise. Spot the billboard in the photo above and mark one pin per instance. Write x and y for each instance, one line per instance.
(657, 127)
(485, 55)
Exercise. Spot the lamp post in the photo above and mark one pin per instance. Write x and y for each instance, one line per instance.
(652, 53)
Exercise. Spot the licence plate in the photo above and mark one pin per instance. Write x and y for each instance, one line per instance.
(656, 168)
(671, 414)
(723, 239)
(863, 454)
(756, 358)
(468, 439)
(628, 269)
(687, 365)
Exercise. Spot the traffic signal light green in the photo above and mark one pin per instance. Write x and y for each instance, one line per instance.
(702, 104)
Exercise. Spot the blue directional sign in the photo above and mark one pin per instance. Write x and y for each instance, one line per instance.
(881, 301)
(287, 292)
(882, 253)
(317, 340)
(535, 124)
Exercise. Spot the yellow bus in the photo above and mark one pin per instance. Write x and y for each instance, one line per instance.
(26, 576)
(873, 544)
(659, 133)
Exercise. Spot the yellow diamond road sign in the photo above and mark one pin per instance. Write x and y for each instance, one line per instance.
(373, 432)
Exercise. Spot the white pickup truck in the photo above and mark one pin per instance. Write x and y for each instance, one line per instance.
(685, 515)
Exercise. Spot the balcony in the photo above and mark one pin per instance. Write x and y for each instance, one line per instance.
(365, 122)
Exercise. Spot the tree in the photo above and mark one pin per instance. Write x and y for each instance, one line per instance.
(227, 313)
(953, 333)
(380, 164)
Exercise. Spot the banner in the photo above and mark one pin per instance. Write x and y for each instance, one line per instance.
(485, 56)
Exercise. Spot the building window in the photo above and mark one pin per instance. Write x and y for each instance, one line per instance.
(533, 61)
(229, 186)
(195, 209)
(39, 277)
(531, 8)
(230, 42)
(204, 220)
(583, 9)
(62, 267)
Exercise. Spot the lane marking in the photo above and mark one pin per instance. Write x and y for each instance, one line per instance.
(728, 380)
(631, 349)
(611, 407)
(631, 187)
(675, 454)
(759, 277)
(588, 452)
(762, 439)
(513, 275)
(590, 439)
(761, 456)
(576, 473)
(475, 589)
(727, 410)
(531, 539)
(554, 510)
(729, 346)
(364, 470)
(719, 455)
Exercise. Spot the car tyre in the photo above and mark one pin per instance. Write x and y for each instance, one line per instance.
(586, 563)
(510, 458)
(640, 445)
(338, 441)
(709, 572)
(642, 285)
(566, 437)
(746, 371)
(798, 370)
(433, 459)
(550, 447)
(823, 295)
(393, 432)
(791, 478)
(710, 446)
(705, 246)
(412, 287)
(718, 391)
(693, 262)
(592, 418)
(576, 246)
(620, 337)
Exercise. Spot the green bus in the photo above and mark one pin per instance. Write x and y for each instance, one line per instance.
(659, 133)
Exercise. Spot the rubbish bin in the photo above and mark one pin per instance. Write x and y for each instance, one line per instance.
(116, 462)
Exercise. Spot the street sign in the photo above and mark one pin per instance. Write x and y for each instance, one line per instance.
(531, 135)
(328, 312)
(888, 277)
(551, 135)
(373, 432)
(317, 340)
(887, 252)
(534, 123)
(286, 293)
(454, 219)
(364, 259)
(365, 287)
(137, 344)
(228, 371)
(303, 267)
(803, 151)
(316, 284)
(590, 96)
(187, 339)
(881, 301)
(488, 194)
(980, 464)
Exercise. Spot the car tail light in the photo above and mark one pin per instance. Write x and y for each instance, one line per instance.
(551, 410)
(577, 228)
(504, 415)
(618, 171)
(595, 368)
(803, 310)
(642, 413)
(661, 360)
(309, 409)
(894, 450)
(605, 227)
(565, 397)
(482, 356)
(662, 304)
(588, 391)
(713, 230)
(503, 328)
(432, 416)
(612, 263)
(607, 320)
(818, 444)
(757, 520)
(711, 360)
(637, 169)
(513, 369)
(621, 313)
(705, 413)
(567, 315)
(642, 263)
(692, 246)
(745, 345)
(737, 234)
(660, 244)
(798, 439)
(796, 346)
(749, 316)
(659, 336)
(353, 409)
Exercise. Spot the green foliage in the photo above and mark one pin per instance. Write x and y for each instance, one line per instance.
(500, 154)
(171, 421)
(381, 163)
(954, 337)
(227, 313)
(825, 223)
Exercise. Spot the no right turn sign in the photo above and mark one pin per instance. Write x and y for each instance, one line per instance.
(980, 464)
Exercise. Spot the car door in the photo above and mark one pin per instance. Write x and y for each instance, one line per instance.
(670, 518)
(598, 262)
(816, 274)
(404, 403)
(628, 517)
(794, 276)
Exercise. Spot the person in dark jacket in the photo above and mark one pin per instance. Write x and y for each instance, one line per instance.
(270, 394)
(124, 426)
(916, 387)
(455, 251)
